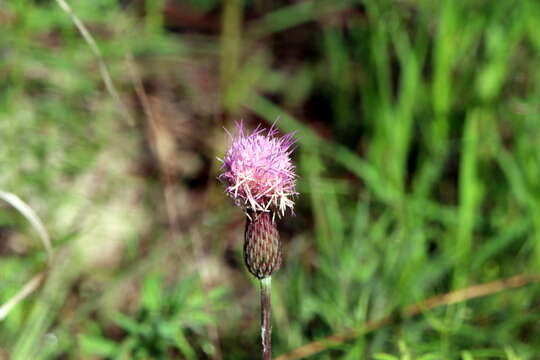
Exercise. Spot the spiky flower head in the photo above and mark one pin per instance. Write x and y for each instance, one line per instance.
(258, 171)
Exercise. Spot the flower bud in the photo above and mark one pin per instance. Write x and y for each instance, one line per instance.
(262, 248)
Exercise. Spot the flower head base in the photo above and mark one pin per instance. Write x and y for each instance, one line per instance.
(262, 247)
(258, 171)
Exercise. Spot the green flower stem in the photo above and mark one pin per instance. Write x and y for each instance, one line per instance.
(266, 322)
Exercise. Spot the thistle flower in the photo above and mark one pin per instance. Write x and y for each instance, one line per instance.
(259, 176)
(258, 171)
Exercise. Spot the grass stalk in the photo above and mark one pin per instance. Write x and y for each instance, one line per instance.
(103, 69)
(231, 40)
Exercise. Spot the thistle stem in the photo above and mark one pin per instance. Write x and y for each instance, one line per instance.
(266, 322)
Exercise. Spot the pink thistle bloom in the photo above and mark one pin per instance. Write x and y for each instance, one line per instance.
(258, 171)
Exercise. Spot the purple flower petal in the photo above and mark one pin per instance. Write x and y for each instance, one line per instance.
(258, 171)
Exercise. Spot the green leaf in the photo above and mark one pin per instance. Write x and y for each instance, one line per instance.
(96, 345)
(152, 293)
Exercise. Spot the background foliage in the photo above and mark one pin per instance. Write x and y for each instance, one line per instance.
(419, 173)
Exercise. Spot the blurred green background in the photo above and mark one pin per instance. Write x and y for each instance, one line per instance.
(418, 162)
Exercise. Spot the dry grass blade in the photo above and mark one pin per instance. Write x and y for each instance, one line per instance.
(27, 289)
(472, 292)
(102, 66)
(31, 216)
(169, 190)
